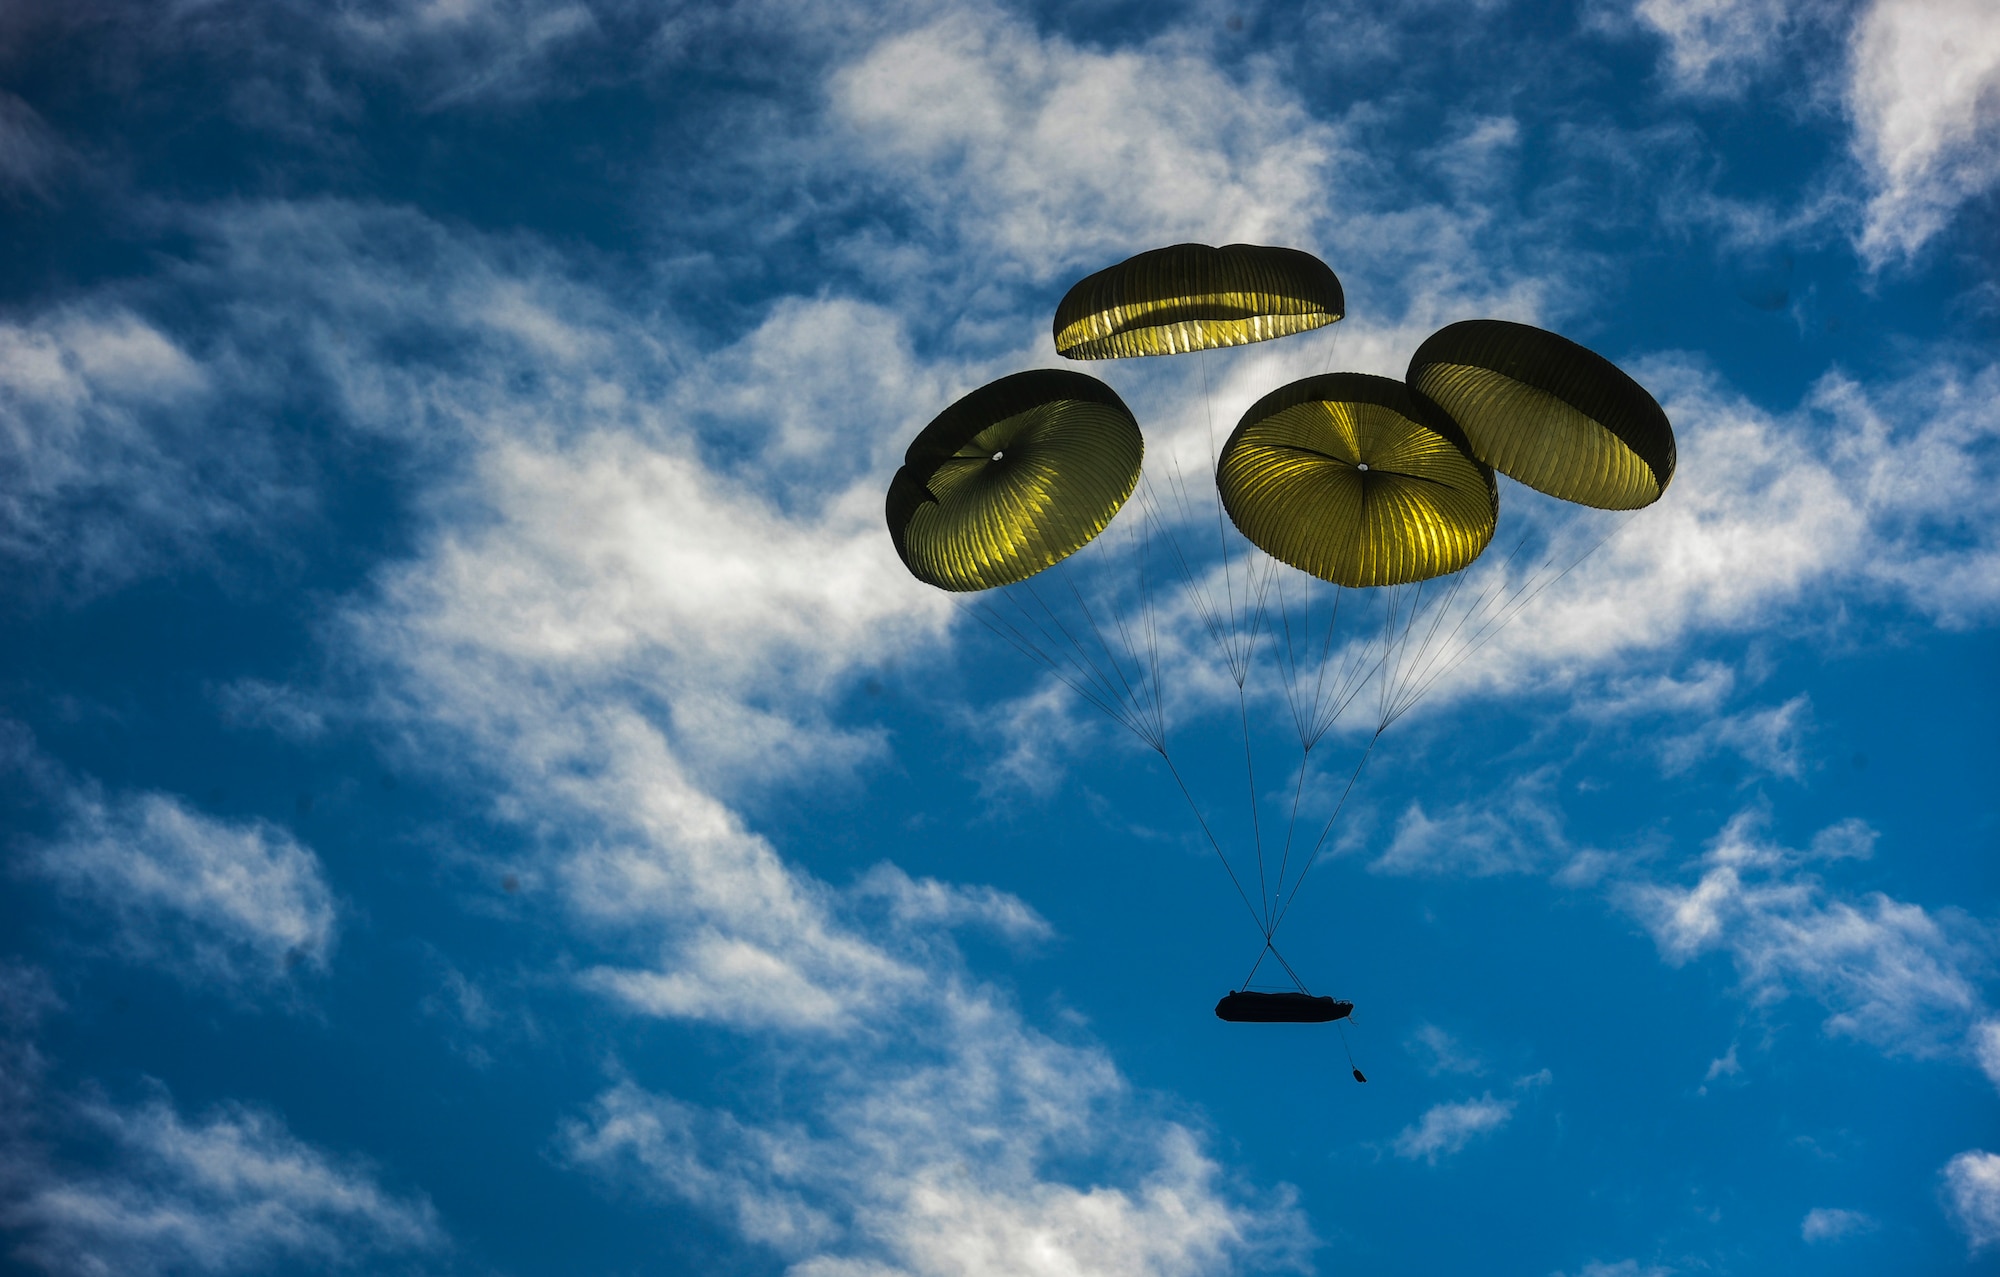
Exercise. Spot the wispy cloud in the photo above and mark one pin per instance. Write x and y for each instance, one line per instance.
(233, 1191)
(240, 905)
(1516, 835)
(1888, 972)
(943, 1167)
(1891, 973)
(1986, 1048)
(1622, 1268)
(230, 1191)
(1764, 521)
(1770, 739)
(1972, 1191)
(1924, 94)
(1831, 1224)
(1443, 1053)
(1447, 1128)
(1716, 46)
(983, 106)
(114, 466)
(31, 153)
(927, 902)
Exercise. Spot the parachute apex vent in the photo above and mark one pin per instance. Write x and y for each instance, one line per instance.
(1248, 1007)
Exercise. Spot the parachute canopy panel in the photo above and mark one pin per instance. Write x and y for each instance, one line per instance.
(1358, 481)
(1013, 478)
(1247, 1006)
(1541, 409)
(1195, 297)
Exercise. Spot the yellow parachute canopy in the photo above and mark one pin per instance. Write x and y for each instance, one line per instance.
(1358, 481)
(1013, 478)
(1541, 409)
(1193, 297)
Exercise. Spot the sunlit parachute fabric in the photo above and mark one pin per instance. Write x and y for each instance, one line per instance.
(1545, 411)
(1194, 297)
(1013, 478)
(1357, 481)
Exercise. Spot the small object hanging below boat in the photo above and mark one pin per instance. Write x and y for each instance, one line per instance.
(1247, 1007)
(1358, 1077)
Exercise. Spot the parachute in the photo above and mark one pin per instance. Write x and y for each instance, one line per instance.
(1543, 410)
(1367, 504)
(1194, 297)
(1013, 478)
(1358, 481)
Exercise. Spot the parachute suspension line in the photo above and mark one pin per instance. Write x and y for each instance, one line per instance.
(1328, 703)
(1221, 535)
(1272, 950)
(1313, 859)
(1147, 666)
(1516, 604)
(1146, 700)
(1152, 627)
(1408, 662)
(1256, 826)
(1071, 659)
(1438, 659)
(1202, 820)
(1074, 677)
(1149, 507)
(1236, 649)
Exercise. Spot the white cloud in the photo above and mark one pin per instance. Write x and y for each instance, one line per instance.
(632, 601)
(1446, 1054)
(233, 1192)
(26, 995)
(1884, 491)
(1830, 1224)
(1986, 1048)
(1444, 1129)
(1924, 93)
(1921, 87)
(1770, 739)
(274, 707)
(1723, 1066)
(213, 901)
(985, 110)
(926, 902)
(1517, 834)
(1889, 972)
(1623, 1268)
(1972, 1188)
(611, 630)
(113, 462)
(659, 568)
(941, 1168)
(30, 151)
(1715, 46)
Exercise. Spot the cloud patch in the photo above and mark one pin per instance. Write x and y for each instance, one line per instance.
(1831, 1224)
(1924, 93)
(231, 1192)
(1891, 973)
(1972, 1194)
(1447, 1128)
(239, 905)
(1714, 47)
(943, 1168)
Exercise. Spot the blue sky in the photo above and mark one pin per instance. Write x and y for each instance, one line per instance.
(482, 795)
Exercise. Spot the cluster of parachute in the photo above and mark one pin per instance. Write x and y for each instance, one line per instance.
(1359, 481)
